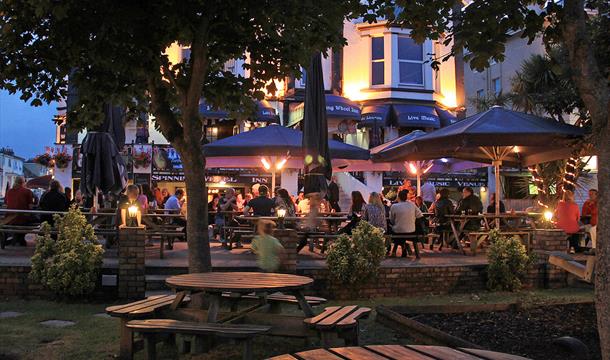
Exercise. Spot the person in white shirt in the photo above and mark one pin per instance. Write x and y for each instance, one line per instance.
(428, 193)
(403, 216)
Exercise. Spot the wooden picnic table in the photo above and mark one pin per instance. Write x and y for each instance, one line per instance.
(214, 284)
(398, 352)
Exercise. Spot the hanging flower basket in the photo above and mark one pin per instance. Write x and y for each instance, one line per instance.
(44, 160)
(62, 160)
(142, 159)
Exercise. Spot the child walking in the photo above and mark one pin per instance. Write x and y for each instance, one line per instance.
(269, 252)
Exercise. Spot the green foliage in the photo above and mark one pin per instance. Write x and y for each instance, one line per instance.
(508, 262)
(355, 261)
(70, 265)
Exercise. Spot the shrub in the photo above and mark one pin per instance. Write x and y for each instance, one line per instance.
(355, 261)
(508, 262)
(70, 265)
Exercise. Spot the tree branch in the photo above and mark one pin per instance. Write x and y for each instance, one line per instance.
(592, 86)
(164, 116)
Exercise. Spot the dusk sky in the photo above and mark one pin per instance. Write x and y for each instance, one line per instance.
(24, 128)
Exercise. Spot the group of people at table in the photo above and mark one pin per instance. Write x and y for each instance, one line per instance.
(408, 214)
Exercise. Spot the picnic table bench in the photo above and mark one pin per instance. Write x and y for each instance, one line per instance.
(274, 299)
(339, 321)
(149, 329)
(151, 306)
(398, 352)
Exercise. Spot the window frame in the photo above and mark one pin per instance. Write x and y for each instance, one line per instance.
(419, 62)
(377, 61)
(493, 85)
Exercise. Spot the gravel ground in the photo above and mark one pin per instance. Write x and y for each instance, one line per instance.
(527, 332)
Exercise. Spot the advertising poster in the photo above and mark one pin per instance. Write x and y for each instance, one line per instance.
(142, 159)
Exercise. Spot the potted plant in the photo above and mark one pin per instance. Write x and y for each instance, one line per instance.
(62, 159)
(44, 160)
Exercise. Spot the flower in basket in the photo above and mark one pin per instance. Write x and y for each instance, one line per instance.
(44, 160)
(142, 159)
(62, 159)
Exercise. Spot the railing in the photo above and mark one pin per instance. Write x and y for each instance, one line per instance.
(349, 183)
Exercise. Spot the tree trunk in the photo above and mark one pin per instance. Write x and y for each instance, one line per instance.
(602, 266)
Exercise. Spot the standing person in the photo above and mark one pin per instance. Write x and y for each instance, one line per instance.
(19, 198)
(261, 205)
(53, 200)
(589, 214)
(284, 201)
(442, 207)
(568, 216)
(470, 204)
(225, 204)
(491, 208)
(357, 205)
(269, 251)
(332, 195)
(428, 193)
(374, 212)
(403, 216)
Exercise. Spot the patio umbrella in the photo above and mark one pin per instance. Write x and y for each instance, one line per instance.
(497, 136)
(103, 168)
(40, 182)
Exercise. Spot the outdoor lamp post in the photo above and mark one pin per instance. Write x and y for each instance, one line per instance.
(131, 217)
(281, 214)
(273, 166)
(419, 168)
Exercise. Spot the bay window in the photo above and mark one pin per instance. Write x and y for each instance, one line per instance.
(410, 61)
(377, 61)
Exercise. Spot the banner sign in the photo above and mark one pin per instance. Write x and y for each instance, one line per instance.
(142, 159)
(474, 180)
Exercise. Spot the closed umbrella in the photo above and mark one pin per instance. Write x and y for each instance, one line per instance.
(315, 131)
(497, 136)
(103, 168)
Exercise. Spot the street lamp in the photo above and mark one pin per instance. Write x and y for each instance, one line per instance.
(419, 168)
(273, 166)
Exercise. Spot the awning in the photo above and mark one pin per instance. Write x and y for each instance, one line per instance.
(337, 107)
(417, 116)
(207, 111)
(265, 112)
(375, 116)
(446, 117)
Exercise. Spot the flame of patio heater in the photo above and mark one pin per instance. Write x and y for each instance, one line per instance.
(266, 163)
(281, 164)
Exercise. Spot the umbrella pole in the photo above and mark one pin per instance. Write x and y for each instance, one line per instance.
(418, 183)
(273, 182)
(497, 164)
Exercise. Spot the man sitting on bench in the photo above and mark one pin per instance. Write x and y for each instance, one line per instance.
(19, 198)
(403, 216)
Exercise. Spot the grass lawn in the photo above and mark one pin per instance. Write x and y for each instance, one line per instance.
(96, 337)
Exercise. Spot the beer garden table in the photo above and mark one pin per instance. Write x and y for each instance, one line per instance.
(214, 284)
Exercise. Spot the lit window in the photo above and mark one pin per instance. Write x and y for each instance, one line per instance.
(410, 61)
(497, 86)
(377, 59)
(211, 133)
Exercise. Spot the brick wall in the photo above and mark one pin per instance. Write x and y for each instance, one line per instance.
(132, 268)
(14, 281)
(420, 281)
(549, 240)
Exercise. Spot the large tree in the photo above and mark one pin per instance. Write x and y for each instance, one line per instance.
(115, 52)
(483, 28)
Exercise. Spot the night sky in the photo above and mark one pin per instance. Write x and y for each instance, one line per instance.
(24, 128)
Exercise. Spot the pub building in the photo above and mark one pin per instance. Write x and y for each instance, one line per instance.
(378, 87)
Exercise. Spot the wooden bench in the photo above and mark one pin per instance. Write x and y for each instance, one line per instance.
(566, 262)
(476, 238)
(414, 238)
(275, 300)
(152, 327)
(338, 321)
(146, 308)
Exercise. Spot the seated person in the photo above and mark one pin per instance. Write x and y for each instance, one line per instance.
(403, 216)
(261, 205)
(53, 200)
(470, 205)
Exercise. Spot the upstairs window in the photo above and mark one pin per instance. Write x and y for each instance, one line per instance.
(377, 61)
(410, 62)
(497, 86)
